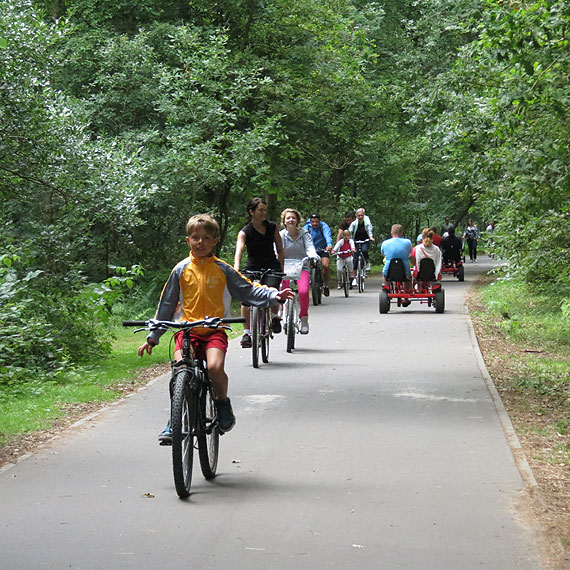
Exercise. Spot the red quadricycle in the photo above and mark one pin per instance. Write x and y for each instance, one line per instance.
(453, 267)
(423, 289)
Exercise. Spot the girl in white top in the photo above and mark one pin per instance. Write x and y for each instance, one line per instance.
(345, 249)
(298, 244)
(428, 250)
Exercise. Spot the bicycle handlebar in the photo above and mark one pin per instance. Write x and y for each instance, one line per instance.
(258, 273)
(210, 322)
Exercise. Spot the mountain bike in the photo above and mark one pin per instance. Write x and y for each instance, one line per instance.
(360, 265)
(292, 324)
(317, 282)
(261, 317)
(193, 416)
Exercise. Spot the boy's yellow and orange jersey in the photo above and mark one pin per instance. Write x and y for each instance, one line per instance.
(201, 287)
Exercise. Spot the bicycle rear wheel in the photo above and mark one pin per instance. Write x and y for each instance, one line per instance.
(209, 440)
(255, 341)
(345, 281)
(183, 419)
(291, 327)
(265, 333)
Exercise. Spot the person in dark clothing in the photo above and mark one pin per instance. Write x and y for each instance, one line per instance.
(261, 239)
(452, 246)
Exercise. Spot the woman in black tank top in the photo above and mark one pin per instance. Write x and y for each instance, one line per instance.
(264, 248)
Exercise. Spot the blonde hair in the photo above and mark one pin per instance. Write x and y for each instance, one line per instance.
(346, 234)
(359, 210)
(290, 211)
(397, 229)
(204, 221)
(427, 237)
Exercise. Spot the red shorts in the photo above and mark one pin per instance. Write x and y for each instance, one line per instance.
(217, 339)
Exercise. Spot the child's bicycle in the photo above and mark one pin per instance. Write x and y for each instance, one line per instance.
(261, 317)
(345, 278)
(193, 417)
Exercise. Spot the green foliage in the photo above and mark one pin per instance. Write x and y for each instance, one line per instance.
(532, 314)
(48, 325)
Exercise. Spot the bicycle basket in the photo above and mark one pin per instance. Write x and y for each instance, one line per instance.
(271, 280)
(293, 268)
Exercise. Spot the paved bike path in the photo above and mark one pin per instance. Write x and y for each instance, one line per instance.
(375, 445)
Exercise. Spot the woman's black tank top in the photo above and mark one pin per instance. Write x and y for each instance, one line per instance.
(260, 252)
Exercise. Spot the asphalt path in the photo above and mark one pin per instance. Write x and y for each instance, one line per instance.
(375, 445)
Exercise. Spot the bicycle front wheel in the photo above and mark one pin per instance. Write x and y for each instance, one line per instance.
(183, 419)
(209, 439)
(265, 333)
(345, 281)
(291, 325)
(255, 341)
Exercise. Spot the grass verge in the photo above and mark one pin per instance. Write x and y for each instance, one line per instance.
(41, 406)
(525, 339)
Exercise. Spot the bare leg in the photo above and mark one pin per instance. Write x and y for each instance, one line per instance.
(216, 359)
(325, 262)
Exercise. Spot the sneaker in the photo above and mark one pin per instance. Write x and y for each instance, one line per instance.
(226, 418)
(304, 325)
(339, 286)
(276, 325)
(246, 341)
(326, 291)
(165, 438)
(354, 283)
(406, 303)
(368, 267)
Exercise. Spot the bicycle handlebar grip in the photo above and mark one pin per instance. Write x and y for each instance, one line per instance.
(135, 323)
(231, 320)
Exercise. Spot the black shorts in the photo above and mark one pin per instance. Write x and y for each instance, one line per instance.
(323, 253)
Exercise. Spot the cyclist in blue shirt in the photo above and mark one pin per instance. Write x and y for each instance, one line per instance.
(322, 239)
(398, 246)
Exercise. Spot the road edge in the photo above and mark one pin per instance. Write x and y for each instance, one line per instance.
(511, 436)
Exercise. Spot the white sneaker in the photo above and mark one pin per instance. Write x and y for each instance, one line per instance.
(304, 325)
(354, 283)
(368, 267)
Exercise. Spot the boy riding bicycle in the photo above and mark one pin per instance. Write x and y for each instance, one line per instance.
(202, 286)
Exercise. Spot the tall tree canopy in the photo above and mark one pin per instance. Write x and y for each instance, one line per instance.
(120, 119)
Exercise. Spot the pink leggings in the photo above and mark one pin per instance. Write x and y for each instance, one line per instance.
(303, 285)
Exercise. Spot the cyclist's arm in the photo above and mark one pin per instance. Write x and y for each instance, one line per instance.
(310, 250)
(279, 247)
(328, 235)
(243, 289)
(240, 246)
(169, 302)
